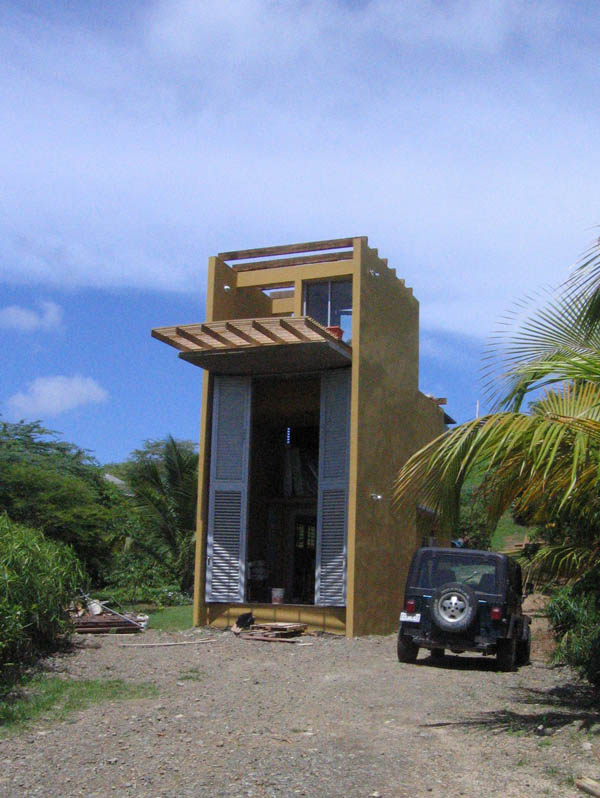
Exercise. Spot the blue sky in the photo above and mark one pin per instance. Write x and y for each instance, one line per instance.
(138, 138)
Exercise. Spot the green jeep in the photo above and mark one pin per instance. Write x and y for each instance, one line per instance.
(464, 600)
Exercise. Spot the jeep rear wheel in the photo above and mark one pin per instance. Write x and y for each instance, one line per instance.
(407, 650)
(524, 648)
(454, 607)
(506, 654)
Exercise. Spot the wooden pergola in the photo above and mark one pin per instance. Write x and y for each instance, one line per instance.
(268, 345)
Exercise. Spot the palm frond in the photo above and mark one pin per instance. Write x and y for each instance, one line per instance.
(565, 560)
(553, 343)
(522, 456)
(583, 285)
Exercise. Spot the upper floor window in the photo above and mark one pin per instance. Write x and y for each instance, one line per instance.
(330, 303)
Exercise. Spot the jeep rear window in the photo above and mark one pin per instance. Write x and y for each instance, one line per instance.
(477, 571)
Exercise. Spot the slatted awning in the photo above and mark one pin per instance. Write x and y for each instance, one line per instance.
(258, 346)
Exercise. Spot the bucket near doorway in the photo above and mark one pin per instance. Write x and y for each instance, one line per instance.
(277, 595)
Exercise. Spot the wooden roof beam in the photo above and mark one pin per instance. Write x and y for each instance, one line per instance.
(268, 332)
(327, 257)
(235, 330)
(314, 325)
(287, 249)
(206, 330)
(293, 330)
(182, 332)
(167, 338)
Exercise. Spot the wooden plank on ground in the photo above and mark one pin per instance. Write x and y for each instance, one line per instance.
(268, 638)
(589, 786)
(164, 645)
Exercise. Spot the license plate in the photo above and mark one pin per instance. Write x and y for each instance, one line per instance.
(415, 617)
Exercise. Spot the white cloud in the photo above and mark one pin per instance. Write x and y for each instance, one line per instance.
(458, 136)
(14, 317)
(50, 396)
(236, 31)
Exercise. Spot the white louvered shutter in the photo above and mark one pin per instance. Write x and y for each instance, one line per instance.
(228, 492)
(332, 510)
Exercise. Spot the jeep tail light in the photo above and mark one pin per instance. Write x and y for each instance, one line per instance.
(410, 605)
(496, 613)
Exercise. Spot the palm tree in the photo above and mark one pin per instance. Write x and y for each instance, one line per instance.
(164, 480)
(543, 461)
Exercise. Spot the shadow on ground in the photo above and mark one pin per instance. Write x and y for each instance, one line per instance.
(571, 703)
(452, 662)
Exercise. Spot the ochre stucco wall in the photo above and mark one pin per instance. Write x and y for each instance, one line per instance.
(235, 303)
(392, 420)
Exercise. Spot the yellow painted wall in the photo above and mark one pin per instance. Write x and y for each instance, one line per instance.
(390, 426)
(234, 303)
(323, 619)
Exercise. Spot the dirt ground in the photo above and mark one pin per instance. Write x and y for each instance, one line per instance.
(337, 717)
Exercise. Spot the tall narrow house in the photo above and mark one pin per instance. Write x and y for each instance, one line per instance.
(310, 405)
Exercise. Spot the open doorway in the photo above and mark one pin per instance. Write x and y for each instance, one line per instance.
(283, 490)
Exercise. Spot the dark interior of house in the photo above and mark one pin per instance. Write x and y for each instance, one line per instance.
(282, 512)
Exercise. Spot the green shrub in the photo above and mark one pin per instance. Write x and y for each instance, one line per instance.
(163, 596)
(38, 579)
(575, 619)
(136, 577)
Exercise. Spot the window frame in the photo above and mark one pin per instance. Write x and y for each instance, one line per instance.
(328, 282)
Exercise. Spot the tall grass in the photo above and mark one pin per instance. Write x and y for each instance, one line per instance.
(38, 579)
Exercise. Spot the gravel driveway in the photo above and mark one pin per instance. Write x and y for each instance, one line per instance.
(337, 717)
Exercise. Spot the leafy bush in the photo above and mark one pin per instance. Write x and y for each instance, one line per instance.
(137, 578)
(575, 618)
(163, 596)
(38, 578)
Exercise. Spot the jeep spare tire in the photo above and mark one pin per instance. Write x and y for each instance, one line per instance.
(454, 607)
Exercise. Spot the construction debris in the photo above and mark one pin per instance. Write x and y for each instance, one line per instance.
(277, 631)
(95, 617)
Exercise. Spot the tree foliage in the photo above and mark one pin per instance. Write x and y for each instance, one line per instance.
(141, 530)
(163, 477)
(58, 488)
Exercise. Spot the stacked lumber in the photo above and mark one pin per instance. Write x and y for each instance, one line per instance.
(275, 631)
(106, 623)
